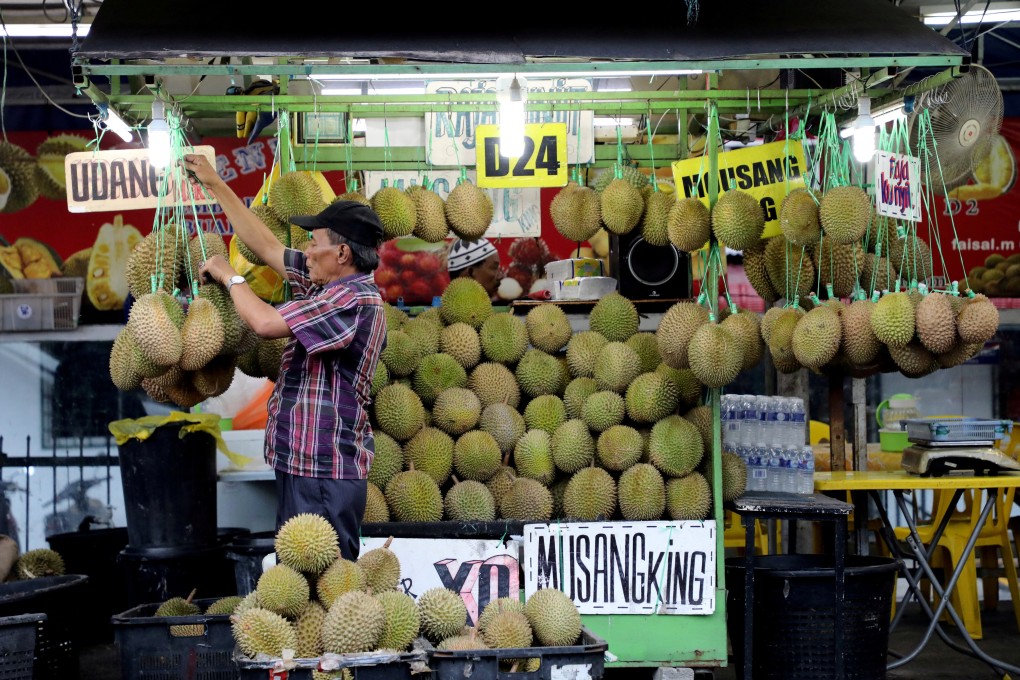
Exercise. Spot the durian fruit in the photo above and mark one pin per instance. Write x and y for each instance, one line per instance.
(283, 590)
(614, 317)
(655, 221)
(430, 214)
(651, 397)
(466, 301)
(576, 212)
(296, 193)
(461, 643)
(501, 481)
(548, 328)
(798, 218)
(395, 317)
(539, 373)
(401, 354)
(477, 456)
(504, 338)
(816, 337)
(279, 229)
(354, 623)
(689, 225)
(572, 445)
(533, 456)
(456, 410)
(676, 328)
(201, 335)
(877, 273)
(642, 493)
(647, 348)
(959, 354)
(545, 412)
(435, 373)
(504, 424)
(745, 327)
(18, 187)
(179, 606)
(260, 631)
(630, 174)
(249, 601)
(376, 509)
(839, 265)
(914, 360)
(554, 618)
(238, 337)
(396, 211)
(590, 495)
(508, 630)
(154, 331)
(845, 213)
(675, 446)
(576, 393)
(756, 270)
(911, 256)
(160, 254)
(307, 542)
(790, 269)
(426, 332)
(413, 496)
(308, 631)
(582, 352)
(734, 476)
(936, 323)
(714, 355)
(402, 623)
(892, 319)
(399, 412)
(701, 418)
(461, 342)
(526, 499)
(469, 211)
(223, 606)
(860, 345)
(603, 410)
(430, 451)
(781, 340)
(443, 614)
(494, 383)
(388, 459)
(688, 497)
(619, 447)
(622, 206)
(977, 320)
(469, 501)
(381, 568)
(215, 377)
(204, 245)
(737, 219)
(616, 367)
(687, 386)
(341, 577)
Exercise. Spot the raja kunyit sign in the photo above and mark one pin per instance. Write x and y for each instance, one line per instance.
(124, 179)
(625, 567)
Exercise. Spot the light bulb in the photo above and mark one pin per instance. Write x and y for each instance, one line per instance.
(159, 138)
(864, 132)
(511, 122)
(115, 123)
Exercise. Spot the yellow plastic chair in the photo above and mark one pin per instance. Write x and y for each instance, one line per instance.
(818, 432)
(734, 535)
(992, 539)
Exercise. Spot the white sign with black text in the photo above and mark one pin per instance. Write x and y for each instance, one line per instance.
(478, 570)
(625, 567)
(897, 186)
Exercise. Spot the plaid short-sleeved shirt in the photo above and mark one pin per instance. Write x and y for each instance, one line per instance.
(318, 412)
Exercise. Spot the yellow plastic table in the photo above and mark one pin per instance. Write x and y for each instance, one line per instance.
(871, 483)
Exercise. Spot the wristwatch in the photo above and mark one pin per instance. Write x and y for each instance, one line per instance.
(236, 278)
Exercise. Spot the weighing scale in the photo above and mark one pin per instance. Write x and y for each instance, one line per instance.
(941, 446)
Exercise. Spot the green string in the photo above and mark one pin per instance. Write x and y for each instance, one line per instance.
(651, 148)
(350, 181)
(618, 169)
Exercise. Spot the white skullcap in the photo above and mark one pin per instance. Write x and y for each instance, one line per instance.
(463, 253)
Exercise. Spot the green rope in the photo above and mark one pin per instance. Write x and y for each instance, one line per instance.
(350, 181)
(651, 148)
(618, 169)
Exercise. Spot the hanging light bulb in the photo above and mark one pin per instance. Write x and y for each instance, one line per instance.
(864, 132)
(114, 122)
(511, 120)
(159, 137)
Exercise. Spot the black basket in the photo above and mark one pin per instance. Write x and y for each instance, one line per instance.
(364, 666)
(795, 616)
(246, 552)
(483, 664)
(56, 642)
(148, 650)
(17, 645)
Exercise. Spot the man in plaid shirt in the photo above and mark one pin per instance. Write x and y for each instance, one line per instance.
(318, 438)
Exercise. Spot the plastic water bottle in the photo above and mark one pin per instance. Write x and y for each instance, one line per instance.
(765, 433)
(807, 470)
(755, 470)
(773, 472)
(748, 421)
(731, 423)
(797, 422)
(783, 422)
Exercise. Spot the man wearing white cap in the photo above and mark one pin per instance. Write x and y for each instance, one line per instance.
(476, 260)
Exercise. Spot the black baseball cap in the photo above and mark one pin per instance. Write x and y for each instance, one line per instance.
(352, 220)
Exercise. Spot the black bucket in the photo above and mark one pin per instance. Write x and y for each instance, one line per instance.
(149, 578)
(246, 553)
(795, 616)
(94, 554)
(170, 491)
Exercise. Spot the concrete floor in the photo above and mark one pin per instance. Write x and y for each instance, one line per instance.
(936, 662)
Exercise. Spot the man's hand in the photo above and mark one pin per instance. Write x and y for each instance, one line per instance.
(216, 269)
(199, 169)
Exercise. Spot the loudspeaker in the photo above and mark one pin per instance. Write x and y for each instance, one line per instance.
(647, 272)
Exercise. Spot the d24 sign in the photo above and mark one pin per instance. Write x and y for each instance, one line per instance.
(543, 163)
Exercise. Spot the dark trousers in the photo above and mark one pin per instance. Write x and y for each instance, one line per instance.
(340, 501)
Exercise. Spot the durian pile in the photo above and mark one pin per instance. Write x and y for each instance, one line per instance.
(180, 351)
(23, 177)
(999, 276)
(839, 245)
(315, 602)
(180, 606)
(480, 415)
(38, 563)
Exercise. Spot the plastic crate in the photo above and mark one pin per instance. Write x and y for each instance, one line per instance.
(56, 642)
(148, 650)
(583, 660)
(925, 430)
(42, 305)
(17, 645)
(364, 666)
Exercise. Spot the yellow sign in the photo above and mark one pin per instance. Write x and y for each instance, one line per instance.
(543, 163)
(767, 172)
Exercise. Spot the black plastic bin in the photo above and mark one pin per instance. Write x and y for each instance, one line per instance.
(149, 578)
(363, 666)
(149, 650)
(17, 645)
(94, 553)
(170, 489)
(247, 552)
(57, 637)
(795, 615)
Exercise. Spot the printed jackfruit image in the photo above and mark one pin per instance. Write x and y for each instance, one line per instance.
(994, 176)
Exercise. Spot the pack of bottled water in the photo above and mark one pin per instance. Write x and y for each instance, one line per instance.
(768, 433)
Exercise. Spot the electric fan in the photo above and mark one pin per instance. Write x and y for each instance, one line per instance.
(966, 115)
